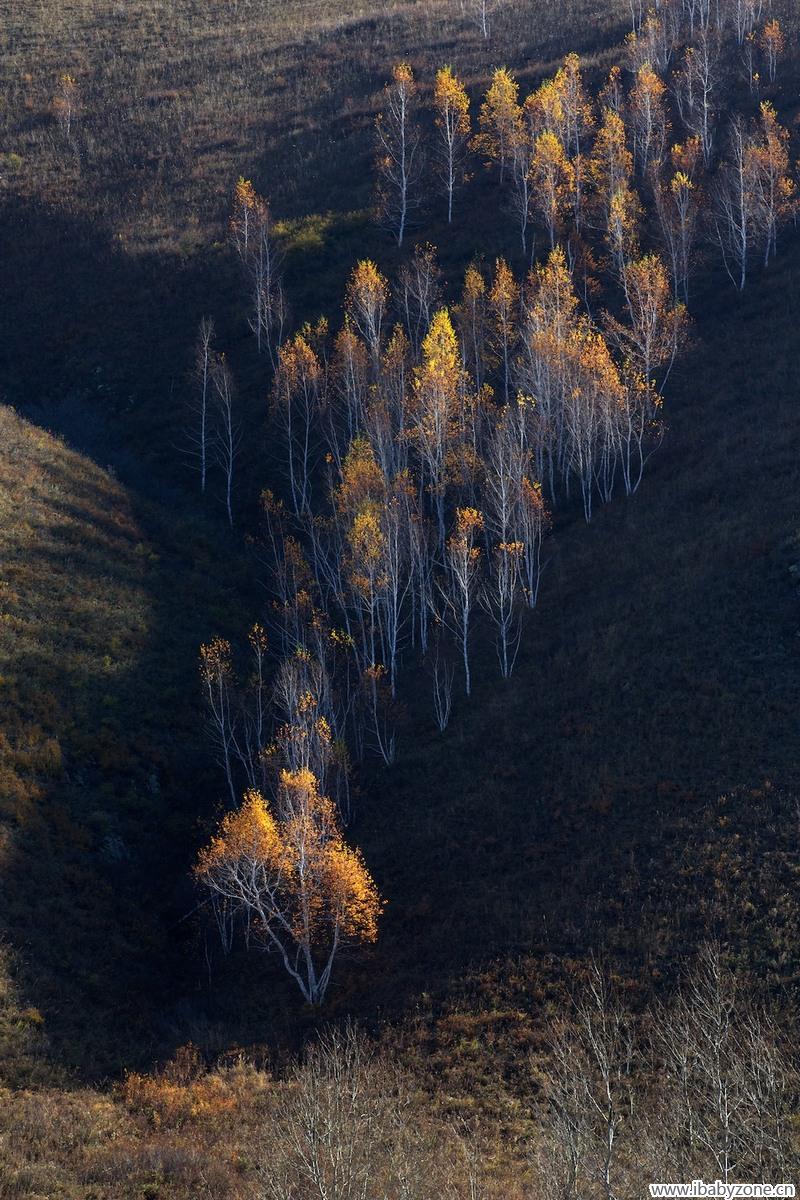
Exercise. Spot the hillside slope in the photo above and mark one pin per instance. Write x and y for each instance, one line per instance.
(628, 793)
(103, 602)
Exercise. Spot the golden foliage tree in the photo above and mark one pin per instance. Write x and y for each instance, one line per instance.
(656, 326)
(648, 117)
(503, 304)
(552, 183)
(298, 395)
(500, 119)
(285, 872)
(473, 321)
(438, 384)
(366, 300)
(451, 104)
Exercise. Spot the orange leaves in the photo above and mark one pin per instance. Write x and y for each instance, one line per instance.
(299, 368)
(656, 325)
(250, 834)
(258, 639)
(362, 481)
(403, 75)
(351, 892)
(771, 156)
(245, 197)
(687, 156)
(469, 523)
(648, 116)
(248, 214)
(215, 660)
(773, 44)
(293, 871)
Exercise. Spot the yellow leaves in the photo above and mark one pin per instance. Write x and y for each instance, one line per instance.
(552, 177)
(298, 365)
(544, 108)
(680, 183)
(440, 370)
(352, 893)
(397, 353)
(599, 374)
(367, 544)
(649, 88)
(624, 215)
(505, 291)
(611, 164)
(686, 156)
(367, 287)
(500, 116)
(555, 302)
(767, 164)
(249, 834)
(462, 553)
(469, 522)
(474, 287)
(362, 479)
(258, 639)
(533, 497)
(648, 276)
(245, 194)
(451, 103)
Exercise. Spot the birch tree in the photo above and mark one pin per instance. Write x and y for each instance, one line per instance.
(500, 120)
(202, 372)
(463, 560)
(227, 433)
(285, 873)
(399, 141)
(299, 394)
(451, 106)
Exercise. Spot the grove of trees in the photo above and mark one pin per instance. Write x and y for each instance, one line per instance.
(424, 444)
